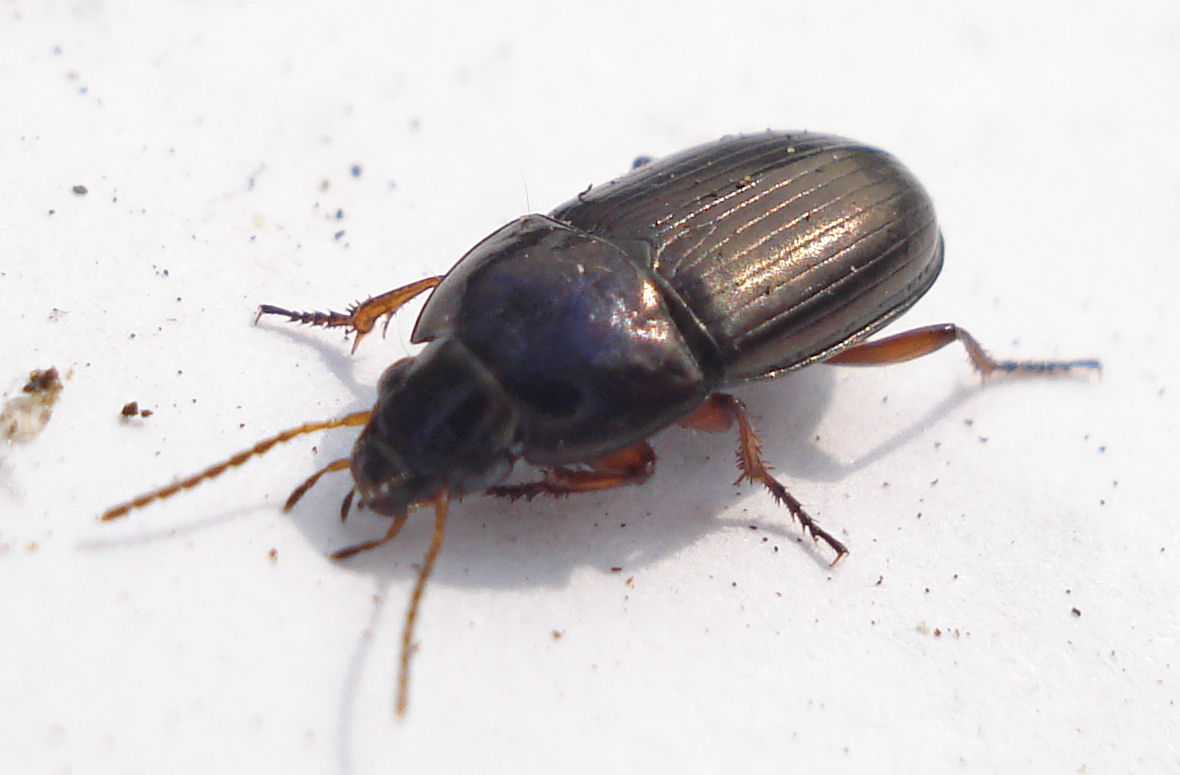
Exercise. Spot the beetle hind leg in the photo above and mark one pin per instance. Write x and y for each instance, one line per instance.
(923, 341)
(718, 413)
(361, 316)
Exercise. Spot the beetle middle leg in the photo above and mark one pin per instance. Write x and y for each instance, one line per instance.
(631, 465)
(361, 316)
(923, 341)
(719, 412)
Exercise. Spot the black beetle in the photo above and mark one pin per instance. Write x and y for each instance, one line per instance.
(567, 340)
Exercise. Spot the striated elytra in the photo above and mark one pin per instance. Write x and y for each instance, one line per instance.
(566, 338)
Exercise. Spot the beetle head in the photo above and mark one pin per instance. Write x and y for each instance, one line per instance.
(440, 421)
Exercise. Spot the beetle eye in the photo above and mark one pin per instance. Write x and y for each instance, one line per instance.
(553, 397)
(474, 423)
(466, 416)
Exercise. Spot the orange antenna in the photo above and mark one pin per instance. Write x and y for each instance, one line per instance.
(356, 418)
(403, 674)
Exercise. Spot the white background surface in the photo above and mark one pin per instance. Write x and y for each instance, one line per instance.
(216, 141)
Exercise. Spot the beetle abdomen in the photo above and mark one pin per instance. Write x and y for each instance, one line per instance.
(787, 248)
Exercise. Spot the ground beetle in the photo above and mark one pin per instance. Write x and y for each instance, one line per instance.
(566, 340)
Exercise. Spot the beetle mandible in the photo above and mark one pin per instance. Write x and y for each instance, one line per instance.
(566, 340)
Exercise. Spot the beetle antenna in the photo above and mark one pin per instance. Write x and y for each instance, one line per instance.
(356, 418)
(403, 673)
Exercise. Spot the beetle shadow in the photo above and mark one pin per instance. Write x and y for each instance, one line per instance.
(805, 460)
(497, 543)
(335, 354)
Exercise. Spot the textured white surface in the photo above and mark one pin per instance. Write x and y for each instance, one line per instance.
(216, 141)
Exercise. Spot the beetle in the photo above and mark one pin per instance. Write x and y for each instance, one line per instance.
(566, 340)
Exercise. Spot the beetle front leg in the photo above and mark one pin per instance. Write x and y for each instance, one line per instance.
(632, 465)
(361, 316)
(718, 413)
(923, 341)
(395, 527)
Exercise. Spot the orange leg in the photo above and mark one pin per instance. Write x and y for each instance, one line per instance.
(632, 465)
(361, 316)
(349, 551)
(336, 465)
(718, 413)
(923, 341)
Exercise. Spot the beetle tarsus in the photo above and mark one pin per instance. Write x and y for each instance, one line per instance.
(327, 319)
(806, 522)
(719, 412)
(1045, 368)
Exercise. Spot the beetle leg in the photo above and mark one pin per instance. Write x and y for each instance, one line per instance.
(349, 551)
(714, 415)
(718, 413)
(346, 505)
(361, 316)
(631, 465)
(301, 490)
(923, 341)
